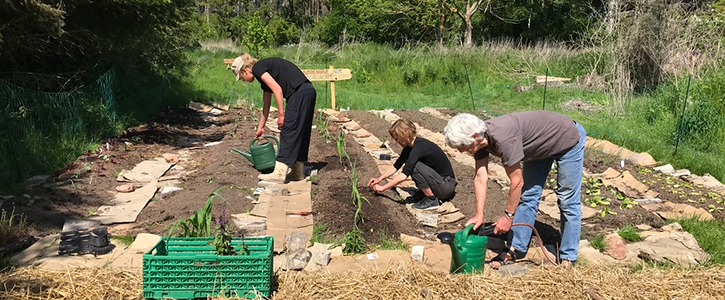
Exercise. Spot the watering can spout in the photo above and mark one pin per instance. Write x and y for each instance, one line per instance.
(245, 154)
(262, 156)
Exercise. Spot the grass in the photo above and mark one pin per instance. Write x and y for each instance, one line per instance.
(599, 243)
(415, 77)
(390, 243)
(629, 233)
(321, 234)
(709, 235)
(125, 240)
(12, 226)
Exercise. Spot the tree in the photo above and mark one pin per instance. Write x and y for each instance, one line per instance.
(466, 12)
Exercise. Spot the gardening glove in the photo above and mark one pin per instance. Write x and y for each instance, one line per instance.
(503, 225)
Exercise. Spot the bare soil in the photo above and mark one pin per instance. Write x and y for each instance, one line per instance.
(90, 181)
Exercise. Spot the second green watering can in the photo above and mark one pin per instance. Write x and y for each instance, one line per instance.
(468, 249)
(262, 156)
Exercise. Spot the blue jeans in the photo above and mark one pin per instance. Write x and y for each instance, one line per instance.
(569, 185)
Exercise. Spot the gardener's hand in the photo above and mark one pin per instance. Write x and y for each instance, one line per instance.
(378, 188)
(503, 225)
(373, 181)
(280, 121)
(260, 132)
(477, 221)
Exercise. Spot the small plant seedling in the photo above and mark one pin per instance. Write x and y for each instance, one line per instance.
(627, 203)
(607, 211)
(629, 233)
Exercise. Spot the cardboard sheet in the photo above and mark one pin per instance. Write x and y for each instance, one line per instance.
(126, 207)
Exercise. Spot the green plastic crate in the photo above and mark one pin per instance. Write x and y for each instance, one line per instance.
(189, 268)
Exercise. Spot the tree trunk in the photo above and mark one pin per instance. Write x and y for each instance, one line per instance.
(442, 17)
(612, 17)
(469, 32)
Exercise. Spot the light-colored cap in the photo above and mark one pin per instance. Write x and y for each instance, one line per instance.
(237, 67)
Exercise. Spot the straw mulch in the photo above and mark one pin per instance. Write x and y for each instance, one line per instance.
(585, 282)
(99, 283)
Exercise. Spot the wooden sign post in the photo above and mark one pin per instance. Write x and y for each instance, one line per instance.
(332, 75)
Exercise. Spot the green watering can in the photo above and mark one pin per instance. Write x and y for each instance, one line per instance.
(262, 156)
(468, 249)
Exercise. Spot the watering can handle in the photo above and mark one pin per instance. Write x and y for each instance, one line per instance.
(467, 231)
(266, 137)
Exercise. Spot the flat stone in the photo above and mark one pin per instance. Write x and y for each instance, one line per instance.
(643, 159)
(513, 270)
(643, 227)
(616, 247)
(708, 181)
(648, 201)
(668, 168)
(417, 253)
(125, 188)
(681, 173)
(251, 224)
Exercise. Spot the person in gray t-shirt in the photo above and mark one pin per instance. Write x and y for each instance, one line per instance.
(527, 143)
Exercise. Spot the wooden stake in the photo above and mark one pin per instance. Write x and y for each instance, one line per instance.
(332, 87)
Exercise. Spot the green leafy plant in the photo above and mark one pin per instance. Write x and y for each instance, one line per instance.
(607, 211)
(357, 198)
(341, 145)
(596, 201)
(354, 242)
(199, 224)
(223, 237)
(627, 203)
(629, 233)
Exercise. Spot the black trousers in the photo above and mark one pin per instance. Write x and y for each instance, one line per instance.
(294, 137)
(444, 188)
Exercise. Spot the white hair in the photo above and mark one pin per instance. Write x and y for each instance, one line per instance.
(460, 130)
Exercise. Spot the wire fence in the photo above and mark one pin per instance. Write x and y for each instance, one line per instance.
(42, 131)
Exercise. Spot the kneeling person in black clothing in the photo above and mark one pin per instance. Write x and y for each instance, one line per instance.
(425, 163)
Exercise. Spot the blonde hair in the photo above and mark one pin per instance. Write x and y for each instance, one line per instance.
(403, 130)
(243, 61)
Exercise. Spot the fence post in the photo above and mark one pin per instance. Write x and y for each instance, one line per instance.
(682, 117)
(546, 82)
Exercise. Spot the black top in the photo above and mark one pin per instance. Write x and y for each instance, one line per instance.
(426, 152)
(287, 74)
